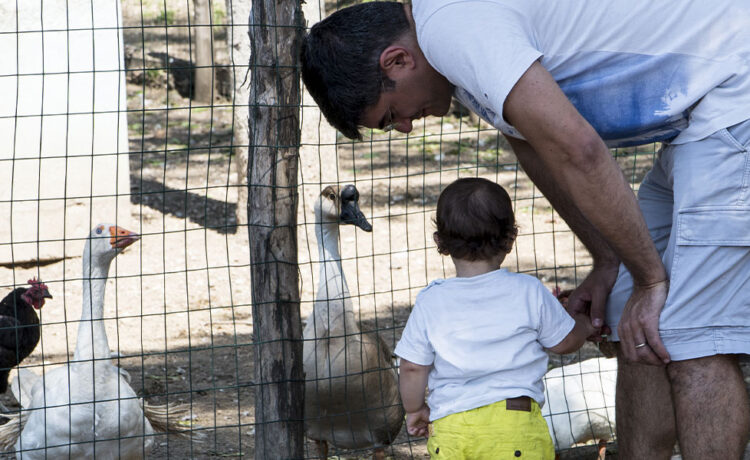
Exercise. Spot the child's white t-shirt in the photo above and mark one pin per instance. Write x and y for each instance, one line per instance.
(484, 336)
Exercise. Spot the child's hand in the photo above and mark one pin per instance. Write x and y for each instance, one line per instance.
(417, 422)
(585, 321)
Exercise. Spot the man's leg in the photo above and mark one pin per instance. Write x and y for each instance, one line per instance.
(645, 417)
(708, 307)
(707, 181)
(711, 407)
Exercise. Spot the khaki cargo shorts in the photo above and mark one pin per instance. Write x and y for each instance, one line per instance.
(696, 202)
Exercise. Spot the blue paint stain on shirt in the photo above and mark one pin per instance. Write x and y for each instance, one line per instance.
(631, 99)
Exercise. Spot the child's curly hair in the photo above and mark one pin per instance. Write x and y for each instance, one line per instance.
(474, 220)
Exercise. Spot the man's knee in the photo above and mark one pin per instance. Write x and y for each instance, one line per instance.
(711, 406)
(695, 377)
(645, 415)
(643, 386)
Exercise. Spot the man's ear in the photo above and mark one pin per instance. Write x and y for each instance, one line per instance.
(396, 59)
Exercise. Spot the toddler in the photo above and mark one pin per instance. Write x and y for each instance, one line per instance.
(478, 340)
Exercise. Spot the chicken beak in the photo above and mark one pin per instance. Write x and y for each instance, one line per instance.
(122, 238)
(46, 294)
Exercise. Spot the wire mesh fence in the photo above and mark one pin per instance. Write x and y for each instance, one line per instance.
(104, 122)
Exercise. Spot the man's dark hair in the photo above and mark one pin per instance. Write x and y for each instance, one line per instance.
(474, 220)
(341, 60)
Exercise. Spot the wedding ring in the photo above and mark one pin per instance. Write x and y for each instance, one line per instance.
(641, 345)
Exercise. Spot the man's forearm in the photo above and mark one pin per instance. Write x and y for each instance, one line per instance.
(564, 145)
(546, 183)
(605, 199)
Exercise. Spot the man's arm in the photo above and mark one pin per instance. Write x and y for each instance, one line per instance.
(593, 291)
(585, 174)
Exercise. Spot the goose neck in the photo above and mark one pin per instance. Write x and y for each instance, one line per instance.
(333, 311)
(328, 241)
(92, 335)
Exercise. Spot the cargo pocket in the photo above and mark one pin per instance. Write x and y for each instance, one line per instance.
(714, 226)
(709, 277)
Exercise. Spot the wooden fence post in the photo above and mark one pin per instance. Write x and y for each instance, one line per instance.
(203, 41)
(276, 28)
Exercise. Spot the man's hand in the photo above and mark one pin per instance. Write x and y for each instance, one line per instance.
(590, 297)
(417, 423)
(639, 325)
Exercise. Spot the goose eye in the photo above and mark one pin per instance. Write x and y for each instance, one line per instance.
(98, 230)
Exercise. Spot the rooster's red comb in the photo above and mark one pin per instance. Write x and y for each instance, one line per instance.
(34, 282)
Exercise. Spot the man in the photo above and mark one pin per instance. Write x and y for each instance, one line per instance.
(564, 81)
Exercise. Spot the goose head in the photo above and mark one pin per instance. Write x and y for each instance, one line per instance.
(341, 206)
(106, 241)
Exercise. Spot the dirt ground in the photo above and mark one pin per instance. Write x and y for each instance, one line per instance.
(178, 303)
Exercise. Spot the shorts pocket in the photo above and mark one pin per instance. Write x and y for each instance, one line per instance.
(738, 135)
(709, 278)
(443, 447)
(714, 226)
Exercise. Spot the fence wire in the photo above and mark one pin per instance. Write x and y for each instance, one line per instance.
(102, 123)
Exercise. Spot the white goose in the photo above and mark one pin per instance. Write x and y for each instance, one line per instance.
(581, 402)
(351, 389)
(87, 409)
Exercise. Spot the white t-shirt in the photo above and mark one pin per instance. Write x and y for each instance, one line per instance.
(484, 336)
(638, 70)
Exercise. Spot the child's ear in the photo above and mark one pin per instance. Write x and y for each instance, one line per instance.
(511, 239)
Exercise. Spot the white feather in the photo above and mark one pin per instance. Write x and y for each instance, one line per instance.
(22, 384)
(580, 404)
(86, 409)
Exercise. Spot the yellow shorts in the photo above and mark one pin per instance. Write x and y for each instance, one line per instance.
(493, 433)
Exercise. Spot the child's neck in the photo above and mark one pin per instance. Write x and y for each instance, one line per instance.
(468, 268)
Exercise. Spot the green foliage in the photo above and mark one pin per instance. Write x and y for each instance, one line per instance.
(166, 16)
(153, 74)
(219, 16)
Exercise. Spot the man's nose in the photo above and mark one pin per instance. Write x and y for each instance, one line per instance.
(404, 125)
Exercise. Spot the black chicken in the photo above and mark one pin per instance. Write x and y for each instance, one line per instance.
(19, 326)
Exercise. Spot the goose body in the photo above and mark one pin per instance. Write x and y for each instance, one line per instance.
(580, 403)
(351, 388)
(87, 409)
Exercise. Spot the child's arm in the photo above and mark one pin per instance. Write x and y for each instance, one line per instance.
(576, 337)
(412, 383)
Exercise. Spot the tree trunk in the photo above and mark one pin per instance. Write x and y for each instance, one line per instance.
(203, 41)
(275, 36)
(238, 44)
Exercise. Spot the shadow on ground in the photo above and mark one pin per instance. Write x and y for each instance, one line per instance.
(220, 216)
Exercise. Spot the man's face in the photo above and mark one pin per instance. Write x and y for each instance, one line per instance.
(415, 96)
